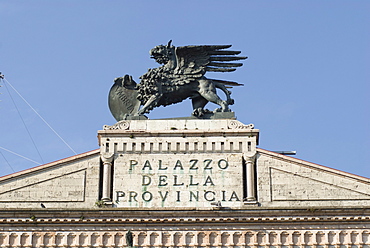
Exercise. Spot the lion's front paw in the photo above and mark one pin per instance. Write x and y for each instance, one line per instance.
(199, 112)
(222, 110)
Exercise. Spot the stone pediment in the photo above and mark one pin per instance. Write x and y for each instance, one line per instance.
(303, 188)
(284, 181)
(70, 187)
(182, 164)
(69, 183)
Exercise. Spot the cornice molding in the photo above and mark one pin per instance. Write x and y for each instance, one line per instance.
(95, 217)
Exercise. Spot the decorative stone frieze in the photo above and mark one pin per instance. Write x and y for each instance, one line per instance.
(121, 125)
(190, 229)
(190, 238)
(184, 183)
(234, 124)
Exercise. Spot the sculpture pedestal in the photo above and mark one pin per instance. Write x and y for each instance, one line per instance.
(180, 163)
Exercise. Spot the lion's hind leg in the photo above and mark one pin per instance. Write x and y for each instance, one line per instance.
(199, 103)
(222, 87)
(207, 89)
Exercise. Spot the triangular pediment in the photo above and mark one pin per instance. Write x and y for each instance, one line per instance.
(69, 186)
(281, 181)
(304, 188)
(284, 181)
(72, 181)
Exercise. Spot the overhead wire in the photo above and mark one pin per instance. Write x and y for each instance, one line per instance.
(24, 124)
(7, 161)
(19, 156)
(5, 80)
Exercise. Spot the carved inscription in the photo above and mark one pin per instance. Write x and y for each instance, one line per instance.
(125, 100)
(171, 181)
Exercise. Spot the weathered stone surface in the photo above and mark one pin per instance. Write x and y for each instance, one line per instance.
(140, 150)
(68, 183)
(179, 163)
(162, 163)
(288, 182)
(176, 125)
(178, 180)
(66, 187)
(286, 202)
(215, 228)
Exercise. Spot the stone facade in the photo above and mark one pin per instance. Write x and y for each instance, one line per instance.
(68, 183)
(289, 182)
(216, 228)
(179, 163)
(183, 183)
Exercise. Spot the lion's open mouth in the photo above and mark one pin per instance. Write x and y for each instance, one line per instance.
(156, 55)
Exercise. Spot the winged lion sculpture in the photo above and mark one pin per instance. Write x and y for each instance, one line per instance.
(181, 76)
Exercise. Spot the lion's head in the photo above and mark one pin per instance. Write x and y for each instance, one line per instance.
(162, 53)
(126, 81)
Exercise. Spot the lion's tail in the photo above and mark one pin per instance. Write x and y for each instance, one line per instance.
(228, 83)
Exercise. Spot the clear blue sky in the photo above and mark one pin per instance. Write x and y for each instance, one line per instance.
(306, 79)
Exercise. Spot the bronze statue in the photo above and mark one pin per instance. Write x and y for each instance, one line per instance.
(181, 76)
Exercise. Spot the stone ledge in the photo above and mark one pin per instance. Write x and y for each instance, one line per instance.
(177, 124)
(214, 220)
(251, 203)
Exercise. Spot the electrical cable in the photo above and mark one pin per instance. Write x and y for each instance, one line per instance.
(20, 155)
(7, 161)
(5, 80)
(24, 124)
(1, 80)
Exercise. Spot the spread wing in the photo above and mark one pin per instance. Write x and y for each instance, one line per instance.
(195, 61)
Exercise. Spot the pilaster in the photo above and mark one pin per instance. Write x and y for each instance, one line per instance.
(178, 163)
(107, 159)
(250, 177)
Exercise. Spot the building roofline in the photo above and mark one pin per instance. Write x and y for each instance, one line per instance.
(51, 164)
(260, 150)
(314, 165)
